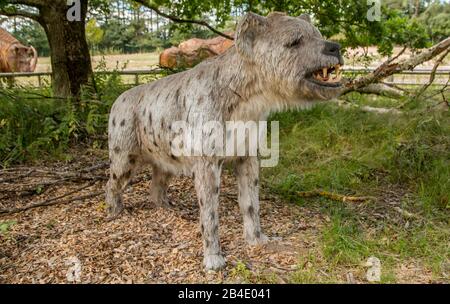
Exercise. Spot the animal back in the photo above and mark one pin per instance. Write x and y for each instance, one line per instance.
(6, 38)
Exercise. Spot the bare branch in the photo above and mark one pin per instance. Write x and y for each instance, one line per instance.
(433, 74)
(385, 70)
(19, 13)
(35, 3)
(349, 105)
(382, 90)
(335, 196)
(176, 19)
(55, 200)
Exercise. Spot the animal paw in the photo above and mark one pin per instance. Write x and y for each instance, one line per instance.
(114, 212)
(261, 239)
(214, 262)
(161, 201)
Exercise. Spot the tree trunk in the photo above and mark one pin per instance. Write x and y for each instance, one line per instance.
(417, 8)
(70, 58)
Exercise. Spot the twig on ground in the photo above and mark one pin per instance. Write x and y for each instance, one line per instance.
(335, 196)
(405, 213)
(32, 188)
(320, 193)
(55, 200)
(54, 178)
(9, 179)
(349, 105)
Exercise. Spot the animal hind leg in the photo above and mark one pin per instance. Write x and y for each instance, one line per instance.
(160, 183)
(122, 169)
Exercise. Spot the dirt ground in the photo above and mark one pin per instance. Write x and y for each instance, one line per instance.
(73, 242)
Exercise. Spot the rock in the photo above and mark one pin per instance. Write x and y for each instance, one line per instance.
(193, 51)
(374, 272)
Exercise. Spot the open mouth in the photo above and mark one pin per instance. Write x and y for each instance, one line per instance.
(329, 76)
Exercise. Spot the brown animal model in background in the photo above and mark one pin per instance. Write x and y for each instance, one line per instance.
(193, 51)
(14, 56)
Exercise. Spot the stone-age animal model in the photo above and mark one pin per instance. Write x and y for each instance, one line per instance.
(278, 62)
(193, 51)
(14, 56)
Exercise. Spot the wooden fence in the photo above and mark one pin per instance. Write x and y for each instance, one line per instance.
(417, 76)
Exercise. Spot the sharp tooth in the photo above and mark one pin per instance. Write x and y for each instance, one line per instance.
(338, 69)
(325, 72)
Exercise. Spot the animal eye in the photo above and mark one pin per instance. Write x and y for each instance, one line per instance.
(294, 43)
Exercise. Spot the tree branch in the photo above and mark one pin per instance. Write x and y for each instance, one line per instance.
(382, 90)
(35, 3)
(19, 13)
(176, 19)
(349, 105)
(385, 70)
(55, 200)
(433, 74)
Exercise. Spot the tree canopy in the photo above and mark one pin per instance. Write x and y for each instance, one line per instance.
(132, 25)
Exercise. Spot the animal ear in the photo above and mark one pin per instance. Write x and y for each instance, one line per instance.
(305, 17)
(15, 49)
(250, 26)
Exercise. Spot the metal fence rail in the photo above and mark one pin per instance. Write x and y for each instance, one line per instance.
(407, 76)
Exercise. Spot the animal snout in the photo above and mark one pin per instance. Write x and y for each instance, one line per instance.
(332, 49)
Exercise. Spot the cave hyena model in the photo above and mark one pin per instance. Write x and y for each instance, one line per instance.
(278, 62)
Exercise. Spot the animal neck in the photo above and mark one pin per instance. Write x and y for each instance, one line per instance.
(256, 93)
(240, 75)
(242, 79)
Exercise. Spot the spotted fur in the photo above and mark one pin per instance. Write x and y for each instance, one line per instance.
(261, 74)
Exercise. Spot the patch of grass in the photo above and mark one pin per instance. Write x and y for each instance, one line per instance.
(29, 127)
(355, 152)
(343, 240)
(313, 270)
(34, 126)
(5, 226)
(351, 152)
(241, 273)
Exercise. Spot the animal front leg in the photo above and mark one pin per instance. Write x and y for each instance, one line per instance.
(247, 172)
(207, 185)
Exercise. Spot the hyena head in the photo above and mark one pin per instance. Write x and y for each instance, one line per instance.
(291, 55)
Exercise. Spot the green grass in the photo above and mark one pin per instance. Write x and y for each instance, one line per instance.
(358, 153)
(34, 126)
